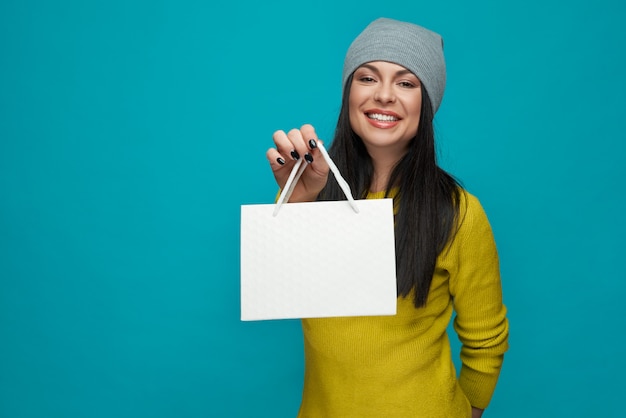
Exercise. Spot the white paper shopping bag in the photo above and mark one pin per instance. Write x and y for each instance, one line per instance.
(317, 259)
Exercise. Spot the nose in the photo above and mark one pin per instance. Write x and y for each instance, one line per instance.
(384, 93)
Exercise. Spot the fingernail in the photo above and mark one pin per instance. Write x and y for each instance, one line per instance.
(312, 144)
(295, 154)
(280, 161)
(308, 157)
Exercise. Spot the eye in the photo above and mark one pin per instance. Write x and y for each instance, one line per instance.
(407, 84)
(366, 79)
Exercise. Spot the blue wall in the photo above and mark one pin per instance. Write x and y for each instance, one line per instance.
(131, 133)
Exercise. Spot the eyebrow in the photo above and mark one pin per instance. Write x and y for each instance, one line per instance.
(374, 68)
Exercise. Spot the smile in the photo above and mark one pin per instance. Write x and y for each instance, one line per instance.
(381, 117)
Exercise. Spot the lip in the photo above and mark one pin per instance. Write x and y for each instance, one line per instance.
(382, 124)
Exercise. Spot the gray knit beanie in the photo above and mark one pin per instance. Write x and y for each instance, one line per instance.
(411, 46)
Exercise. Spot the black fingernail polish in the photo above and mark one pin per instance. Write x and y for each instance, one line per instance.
(312, 143)
(308, 157)
(295, 154)
(280, 161)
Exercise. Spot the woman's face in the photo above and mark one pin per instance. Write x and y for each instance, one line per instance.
(384, 106)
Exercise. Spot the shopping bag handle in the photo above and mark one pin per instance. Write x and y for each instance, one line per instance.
(297, 171)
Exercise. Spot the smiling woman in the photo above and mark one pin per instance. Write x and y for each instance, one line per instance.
(446, 260)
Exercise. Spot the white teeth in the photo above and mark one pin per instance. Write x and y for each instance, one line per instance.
(383, 118)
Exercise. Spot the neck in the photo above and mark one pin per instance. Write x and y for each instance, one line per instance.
(383, 163)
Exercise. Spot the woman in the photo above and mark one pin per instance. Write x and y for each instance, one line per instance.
(401, 366)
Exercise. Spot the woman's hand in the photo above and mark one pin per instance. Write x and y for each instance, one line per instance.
(291, 146)
(477, 413)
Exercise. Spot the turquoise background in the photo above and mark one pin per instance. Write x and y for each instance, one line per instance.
(131, 132)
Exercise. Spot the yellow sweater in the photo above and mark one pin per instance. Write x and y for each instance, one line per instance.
(401, 366)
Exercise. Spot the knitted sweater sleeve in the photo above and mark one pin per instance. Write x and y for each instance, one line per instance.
(480, 321)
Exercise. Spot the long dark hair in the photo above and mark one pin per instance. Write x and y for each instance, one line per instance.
(427, 200)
